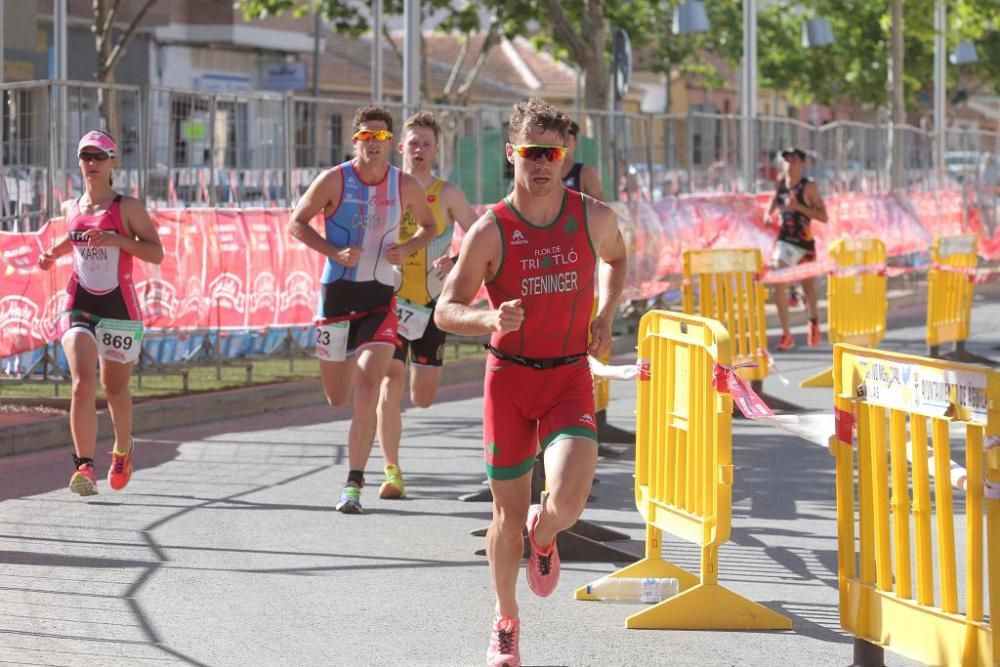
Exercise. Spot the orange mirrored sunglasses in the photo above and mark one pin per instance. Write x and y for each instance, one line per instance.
(550, 152)
(368, 135)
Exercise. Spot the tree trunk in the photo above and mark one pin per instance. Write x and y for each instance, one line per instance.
(588, 47)
(103, 34)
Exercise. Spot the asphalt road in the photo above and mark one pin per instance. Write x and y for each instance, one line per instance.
(225, 548)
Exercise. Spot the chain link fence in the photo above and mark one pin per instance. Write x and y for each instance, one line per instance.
(185, 148)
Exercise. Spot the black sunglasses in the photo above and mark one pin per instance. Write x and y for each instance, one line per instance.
(87, 156)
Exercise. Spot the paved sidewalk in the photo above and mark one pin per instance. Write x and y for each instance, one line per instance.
(225, 549)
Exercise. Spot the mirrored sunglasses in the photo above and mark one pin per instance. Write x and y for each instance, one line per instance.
(368, 135)
(538, 151)
(99, 156)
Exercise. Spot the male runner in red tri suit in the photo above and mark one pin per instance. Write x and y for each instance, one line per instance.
(536, 251)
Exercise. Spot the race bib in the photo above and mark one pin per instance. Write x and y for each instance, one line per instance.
(119, 340)
(412, 318)
(331, 341)
(788, 254)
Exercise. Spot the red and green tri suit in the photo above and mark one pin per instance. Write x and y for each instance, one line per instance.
(532, 395)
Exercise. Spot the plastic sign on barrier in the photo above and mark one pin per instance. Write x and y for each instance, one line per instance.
(921, 389)
(725, 261)
(961, 244)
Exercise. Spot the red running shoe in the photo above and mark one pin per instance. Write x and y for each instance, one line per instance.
(814, 336)
(786, 343)
(121, 468)
(83, 481)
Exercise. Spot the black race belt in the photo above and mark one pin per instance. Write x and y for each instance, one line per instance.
(538, 364)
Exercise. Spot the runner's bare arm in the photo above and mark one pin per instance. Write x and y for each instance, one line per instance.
(771, 209)
(144, 242)
(323, 195)
(458, 212)
(478, 260)
(458, 207)
(48, 257)
(63, 247)
(817, 209)
(611, 273)
(590, 181)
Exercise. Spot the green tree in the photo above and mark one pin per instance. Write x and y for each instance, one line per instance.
(859, 55)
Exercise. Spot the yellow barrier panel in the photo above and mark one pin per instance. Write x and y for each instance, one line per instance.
(856, 298)
(895, 400)
(949, 292)
(728, 291)
(684, 474)
(602, 389)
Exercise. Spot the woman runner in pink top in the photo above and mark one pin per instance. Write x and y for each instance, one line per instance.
(105, 231)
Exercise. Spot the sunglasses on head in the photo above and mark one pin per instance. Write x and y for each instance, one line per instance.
(538, 151)
(368, 135)
(99, 156)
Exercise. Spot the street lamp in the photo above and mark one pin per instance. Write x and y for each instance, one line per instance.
(816, 33)
(690, 17)
(965, 54)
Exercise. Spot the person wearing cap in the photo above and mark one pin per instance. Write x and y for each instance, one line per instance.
(101, 319)
(798, 203)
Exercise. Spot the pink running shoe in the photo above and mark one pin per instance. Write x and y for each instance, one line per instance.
(504, 639)
(83, 481)
(120, 471)
(543, 566)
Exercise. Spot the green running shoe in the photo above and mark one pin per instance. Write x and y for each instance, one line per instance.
(350, 500)
(392, 487)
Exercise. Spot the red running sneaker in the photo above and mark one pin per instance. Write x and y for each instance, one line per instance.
(121, 468)
(814, 336)
(543, 566)
(786, 343)
(504, 639)
(83, 481)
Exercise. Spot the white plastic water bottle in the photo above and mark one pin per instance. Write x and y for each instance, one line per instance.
(648, 590)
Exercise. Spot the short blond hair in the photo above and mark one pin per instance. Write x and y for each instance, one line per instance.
(423, 119)
(538, 114)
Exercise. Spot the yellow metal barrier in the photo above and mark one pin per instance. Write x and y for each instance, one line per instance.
(949, 291)
(856, 298)
(895, 400)
(728, 291)
(602, 389)
(684, 474)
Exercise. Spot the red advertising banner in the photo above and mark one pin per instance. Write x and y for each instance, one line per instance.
(227, 259)
(263, 228)
(239, 269)
(299, 270)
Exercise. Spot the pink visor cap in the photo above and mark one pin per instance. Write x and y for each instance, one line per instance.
(100, 141)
